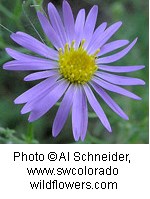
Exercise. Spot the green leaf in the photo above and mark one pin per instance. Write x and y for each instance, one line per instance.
(92, 115)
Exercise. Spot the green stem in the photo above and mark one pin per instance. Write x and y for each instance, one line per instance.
(30, 133)
(37, 4)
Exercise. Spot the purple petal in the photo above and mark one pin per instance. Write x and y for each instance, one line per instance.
(63, 111)
(90, 25)
(120, 69)
(35, 91)
(79, 114)
(34, 45)
(120, 80)
(112, 46)
(68, 21)
(57, 23)
(109, 101)
(104, 37)
(97, 33)
(28, 65)
(40, 75)
(84, 116)
(49, 31)
(76, 117)
(97, 108)
(117, 56)
(21, 56)
(115, 88)
(46, 103)
(79, 25)
(38, 97)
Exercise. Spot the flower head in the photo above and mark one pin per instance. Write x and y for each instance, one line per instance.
(75, 67)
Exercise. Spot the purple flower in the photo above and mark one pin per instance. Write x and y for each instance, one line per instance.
(76, 64)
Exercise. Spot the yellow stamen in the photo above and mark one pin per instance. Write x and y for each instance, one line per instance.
(76, 65)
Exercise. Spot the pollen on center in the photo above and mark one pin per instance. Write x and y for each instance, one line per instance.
(76, 65)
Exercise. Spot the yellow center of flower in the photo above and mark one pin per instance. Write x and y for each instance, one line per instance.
(76, 65)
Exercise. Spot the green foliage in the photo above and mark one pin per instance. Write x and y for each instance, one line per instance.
(134, 15)
(8, 136)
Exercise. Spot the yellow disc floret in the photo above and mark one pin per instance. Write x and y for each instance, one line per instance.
(76, 65)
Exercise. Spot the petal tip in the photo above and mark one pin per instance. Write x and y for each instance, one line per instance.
(65, 2)
(109, 130)
(12, 35)
(39, 14)
(143, 82)
(30, 119)
(22, 111)
(95, 7)
(4, 67)
(26, 79)
(119, 23)
(50, 5)
(135, 40)
(138, 98)
(126, 117)
(16, 101)
(76, 139)
(54, 133)
(7, 49)
(82, 139)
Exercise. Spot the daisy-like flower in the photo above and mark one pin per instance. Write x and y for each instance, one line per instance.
(75, 67)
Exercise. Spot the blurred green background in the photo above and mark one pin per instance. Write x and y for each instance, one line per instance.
(14, 127)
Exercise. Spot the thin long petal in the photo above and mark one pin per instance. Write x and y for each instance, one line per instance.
(117, 56)
(45, 104)
(79, 25)
(40, 75)
(109, 101)
(84, 116)
(28, 65)
(79, 114)
(21, 56)
(34, 92)
(109, 47)
(90, 25)
(57, 23)
(104, 37)
(34, 45)
(114, 88)
(28, 107)
(76, 116)
(119, 80)
(49, 31)
(97, 108)
(120, 69)
(68, 21)
(63, 111)
(97, 33)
